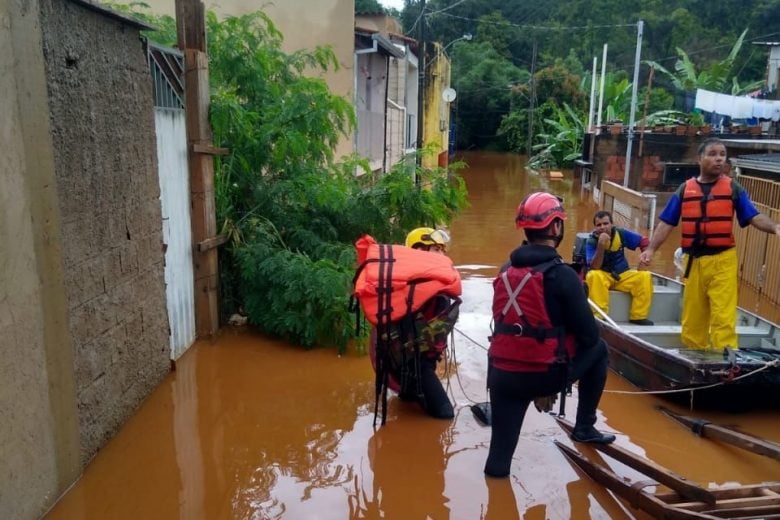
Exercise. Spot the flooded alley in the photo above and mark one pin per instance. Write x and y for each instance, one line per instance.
(249, 427)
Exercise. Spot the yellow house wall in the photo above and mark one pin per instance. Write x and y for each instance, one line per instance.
(436, 118)
(304, 25)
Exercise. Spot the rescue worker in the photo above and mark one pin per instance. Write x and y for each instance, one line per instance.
(430, 393)
(428, 239)
(609, 269)
(545, 336)
(706, 205)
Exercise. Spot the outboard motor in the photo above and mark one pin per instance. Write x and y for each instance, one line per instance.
(578, 261)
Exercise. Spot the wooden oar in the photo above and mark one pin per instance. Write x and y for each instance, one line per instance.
(631, 491)
(650, 468)
(728, 435)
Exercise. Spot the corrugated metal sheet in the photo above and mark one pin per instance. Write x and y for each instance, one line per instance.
(177, 234)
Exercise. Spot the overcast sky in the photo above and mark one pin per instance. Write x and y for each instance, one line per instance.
(398, 4)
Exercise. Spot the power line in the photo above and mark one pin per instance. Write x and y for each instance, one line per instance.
(540, 27)
(448, 7)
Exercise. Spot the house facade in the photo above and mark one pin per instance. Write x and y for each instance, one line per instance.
(304, 24)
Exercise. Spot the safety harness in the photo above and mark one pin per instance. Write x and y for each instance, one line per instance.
(523, 332)
(412, 315)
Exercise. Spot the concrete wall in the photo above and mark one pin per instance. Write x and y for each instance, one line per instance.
(304, 24)
(102, 121)
(39, 454)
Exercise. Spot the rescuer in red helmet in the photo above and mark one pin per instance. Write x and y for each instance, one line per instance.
(544, 337)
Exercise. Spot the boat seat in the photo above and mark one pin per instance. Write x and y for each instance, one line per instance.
(662, 329)
(668, 334)
(666, 305)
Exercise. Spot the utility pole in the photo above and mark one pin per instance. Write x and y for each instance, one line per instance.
(632, 116)
(531, 106)
(592, 94)
(421, 81)
(601, 87)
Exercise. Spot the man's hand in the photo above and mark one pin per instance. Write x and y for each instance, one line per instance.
(604, 240)
(645, 257)
(545, 404)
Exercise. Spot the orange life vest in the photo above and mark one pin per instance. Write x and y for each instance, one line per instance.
(708, 221)
(415, 277)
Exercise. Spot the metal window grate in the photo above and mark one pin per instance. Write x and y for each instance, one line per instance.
(167, 68)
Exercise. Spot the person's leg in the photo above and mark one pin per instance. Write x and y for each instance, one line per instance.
(696, 308)
(435, 400)
(639, 284)
(722, 295)
(589, 368)
(599, 282)
(508, 404)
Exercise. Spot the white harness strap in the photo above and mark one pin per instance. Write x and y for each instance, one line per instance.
(512, 302)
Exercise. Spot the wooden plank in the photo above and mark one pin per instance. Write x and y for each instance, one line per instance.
(728, 435)
(733, 492)
(618, 485)
(211, 243)
(651, 469)
(209, 149)
(735, 503)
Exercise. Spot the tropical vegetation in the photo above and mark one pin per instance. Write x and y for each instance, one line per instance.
(691, 44)
(291, 210)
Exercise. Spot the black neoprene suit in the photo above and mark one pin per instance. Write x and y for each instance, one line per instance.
(512, 392)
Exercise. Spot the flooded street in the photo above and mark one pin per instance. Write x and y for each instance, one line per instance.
(252, 428)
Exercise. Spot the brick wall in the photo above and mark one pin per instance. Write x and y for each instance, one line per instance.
(106, 170)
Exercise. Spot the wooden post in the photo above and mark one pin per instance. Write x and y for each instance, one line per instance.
(191, 30)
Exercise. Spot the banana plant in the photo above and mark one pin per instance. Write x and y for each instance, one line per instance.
(717, 77)
(561, 140)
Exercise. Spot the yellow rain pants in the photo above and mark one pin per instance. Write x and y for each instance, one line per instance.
(709, 313)
(639, 284)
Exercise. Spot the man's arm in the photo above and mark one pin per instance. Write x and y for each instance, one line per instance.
(765, 224)
(660, 234)
(601, 245)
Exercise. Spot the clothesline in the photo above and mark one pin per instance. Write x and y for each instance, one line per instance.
(737, 107)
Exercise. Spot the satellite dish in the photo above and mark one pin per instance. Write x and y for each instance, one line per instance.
(449, 94)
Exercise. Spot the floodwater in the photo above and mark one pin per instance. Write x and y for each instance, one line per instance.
(252, 428)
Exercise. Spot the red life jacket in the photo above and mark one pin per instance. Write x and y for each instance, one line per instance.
(524, 339)
(708, 221)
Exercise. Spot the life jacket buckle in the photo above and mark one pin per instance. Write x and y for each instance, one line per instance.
(519, 329)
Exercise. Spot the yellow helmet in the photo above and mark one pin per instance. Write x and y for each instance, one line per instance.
(428, 237)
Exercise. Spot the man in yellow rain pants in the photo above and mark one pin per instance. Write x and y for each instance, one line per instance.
(609, 268)
(707, 205)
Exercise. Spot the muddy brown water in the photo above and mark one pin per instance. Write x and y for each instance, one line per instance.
(253, 428)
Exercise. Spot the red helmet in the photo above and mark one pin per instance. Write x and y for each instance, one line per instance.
(538, 209)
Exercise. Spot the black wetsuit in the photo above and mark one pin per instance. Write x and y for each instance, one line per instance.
(512, 392)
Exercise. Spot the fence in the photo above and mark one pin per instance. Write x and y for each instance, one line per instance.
(758, 251)
(629, 208)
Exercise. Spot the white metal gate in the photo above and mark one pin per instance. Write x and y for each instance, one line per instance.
(166, 66)
(177, 234)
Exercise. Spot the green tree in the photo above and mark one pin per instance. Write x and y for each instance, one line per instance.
(291, 211)
(368, 6)
(483, 80)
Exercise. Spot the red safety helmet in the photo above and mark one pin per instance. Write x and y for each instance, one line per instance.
(538, 209)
